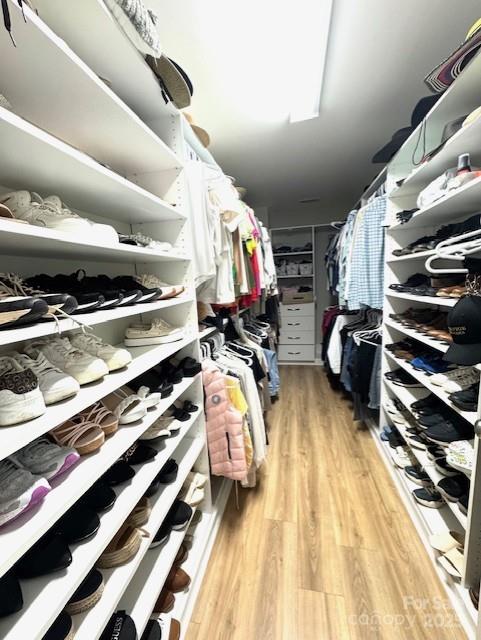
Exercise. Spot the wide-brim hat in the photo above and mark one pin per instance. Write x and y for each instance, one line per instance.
(385, 154)
(199, 132)
(173, 80)
(440, 78)
(449, 130)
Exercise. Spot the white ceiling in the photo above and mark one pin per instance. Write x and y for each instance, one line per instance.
(242, 55)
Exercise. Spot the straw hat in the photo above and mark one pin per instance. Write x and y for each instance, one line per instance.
(199, 132)
(173, 80)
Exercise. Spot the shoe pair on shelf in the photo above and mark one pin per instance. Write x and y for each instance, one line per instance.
(450, 548)
(420, 284)
(52, 213)
(433, 324)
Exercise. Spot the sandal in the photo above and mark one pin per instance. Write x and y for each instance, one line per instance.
(123, 546)
(444, 542)
(103, 417)
(140, 513)
(149, 399)
(126, 405)
(453, 563)
(84, 436)
(189, 406)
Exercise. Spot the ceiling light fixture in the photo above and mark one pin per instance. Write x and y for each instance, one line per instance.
(310, 59)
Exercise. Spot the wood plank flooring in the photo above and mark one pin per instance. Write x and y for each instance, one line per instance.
(323, 545)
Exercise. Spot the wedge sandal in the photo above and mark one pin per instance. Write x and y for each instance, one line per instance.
(86, 437)
(103, 417)
(123, 546)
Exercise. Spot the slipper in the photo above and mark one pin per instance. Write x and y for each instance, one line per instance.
(166, 475)
(453, 563)
(120, 627)
(182, 555)
(100, 497)
(77, 524)
(87, 594)
(199, 479)
(126, 405)
(165, 602)
(118, 473)
(123, 546)
(103, 417)
(160, 428)
(149, 399)
(80, 434)
(189, 406)
(139, 453)
(444, 542)
(61, 629)
(140, 513)
(189, 367)
(177, 580)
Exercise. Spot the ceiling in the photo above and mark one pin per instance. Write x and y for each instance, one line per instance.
(242, 59)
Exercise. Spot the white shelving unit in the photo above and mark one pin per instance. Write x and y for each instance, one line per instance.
(114, 154)
(404, 182)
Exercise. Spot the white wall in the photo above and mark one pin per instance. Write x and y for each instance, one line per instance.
(309, 213)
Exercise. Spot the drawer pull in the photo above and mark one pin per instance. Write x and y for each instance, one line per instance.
(293, 337)
(293, 308)
(294, 353)
(293, 324)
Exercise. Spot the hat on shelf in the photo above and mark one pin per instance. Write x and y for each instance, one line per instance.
(473, 116)
(199, 132)
(449, 130)
(420, 111)
(138, 23)
(464, 323)
(440, 78)
(173, 80)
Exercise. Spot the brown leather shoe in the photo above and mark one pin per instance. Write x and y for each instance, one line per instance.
(165, 602)
(181, 556)
(177, 580)
(174, 629)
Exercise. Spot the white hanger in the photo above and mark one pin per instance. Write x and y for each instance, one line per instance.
(454, 249)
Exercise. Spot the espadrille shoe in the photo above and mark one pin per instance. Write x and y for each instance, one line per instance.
(87, 594)
(123, 546)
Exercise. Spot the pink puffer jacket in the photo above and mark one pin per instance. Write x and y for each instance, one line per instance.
(224, 426)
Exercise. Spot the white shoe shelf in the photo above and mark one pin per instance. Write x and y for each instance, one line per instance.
(404, 182)
(114, 154)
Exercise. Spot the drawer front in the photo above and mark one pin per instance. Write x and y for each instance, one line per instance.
(306, 309)
(296, 353)
(298, 323)
(296, 337)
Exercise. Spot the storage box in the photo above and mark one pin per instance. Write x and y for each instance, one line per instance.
(289, 297)
(305, 269)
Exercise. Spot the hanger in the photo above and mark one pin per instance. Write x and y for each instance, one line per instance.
(455, 249)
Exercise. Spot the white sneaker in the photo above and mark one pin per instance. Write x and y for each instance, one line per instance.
(150, 243)
(114, 357)
(153, 282)
(158, 332)
(79, 364)
(20, 395)
(456, 380)
(104, 233)
(31, 208)
(54, 384)
(402, 457)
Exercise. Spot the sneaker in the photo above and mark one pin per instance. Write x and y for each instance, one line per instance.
(87, 300)
(448, 431)
(150, 281)
(467, 399)
(417, 475)
(31, 208)
(461, 460)
(402, 378)
(114, 357)
(463, 504)
(20, 395)
(453, 488)
(434, 452)
(443, 467)
(80, 365)
(44, 458)
(456, 380)
(429, 497)
(157, 332)
(104, 233)
(14, 287)
(418, 441)
(54, 384)
(129, 283)
(20, 490)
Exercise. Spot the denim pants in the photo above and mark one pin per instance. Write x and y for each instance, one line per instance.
(274, 380)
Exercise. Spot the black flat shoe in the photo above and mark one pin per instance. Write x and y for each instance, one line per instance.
(79, 523)
(118, 473)
(61, 629)
(120, 627)
(139, 453)
(48, 555)
(11, 599)
(17, 313)
(100, 497)
(87, 594)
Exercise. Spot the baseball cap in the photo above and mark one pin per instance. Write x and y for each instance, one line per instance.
(464, 324)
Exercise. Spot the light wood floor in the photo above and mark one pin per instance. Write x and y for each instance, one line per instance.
(324, 543)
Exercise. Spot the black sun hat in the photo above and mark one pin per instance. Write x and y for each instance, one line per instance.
(464, 323)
